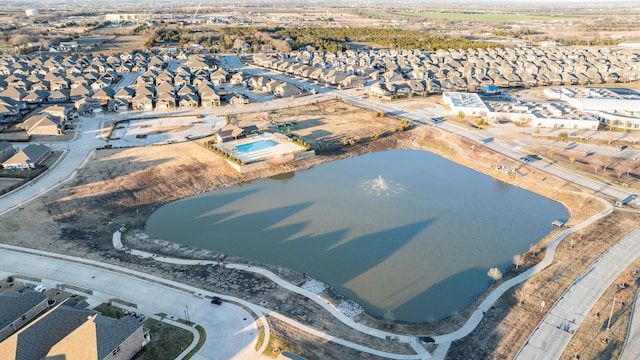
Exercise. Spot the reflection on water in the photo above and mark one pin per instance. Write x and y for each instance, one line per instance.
(421, 251)
(283, 177)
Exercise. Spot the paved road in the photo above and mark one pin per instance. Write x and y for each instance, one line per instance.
(631, 350)
(231, 330)
(555, 330)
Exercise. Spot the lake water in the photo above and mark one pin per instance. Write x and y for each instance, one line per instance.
(404, 231)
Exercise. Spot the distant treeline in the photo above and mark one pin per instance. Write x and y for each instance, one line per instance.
(322, 39)
(334, 39)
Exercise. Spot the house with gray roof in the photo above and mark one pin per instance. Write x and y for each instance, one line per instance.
(17, 309)
(6, 151)
(70, 333)
(27, 158)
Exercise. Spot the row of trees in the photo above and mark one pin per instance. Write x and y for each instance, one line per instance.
(334, 38)
(323, 39)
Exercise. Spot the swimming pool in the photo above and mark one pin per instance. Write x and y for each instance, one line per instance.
(255, 146)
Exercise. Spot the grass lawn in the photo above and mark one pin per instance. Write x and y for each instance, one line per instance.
(167, 341)
(110, 310)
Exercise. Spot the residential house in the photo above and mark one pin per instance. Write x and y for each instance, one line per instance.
(126, 93)
(165, 87)
(209, 99)
(68, 333)
(237, 78)
(103, 95)
(36, 97)
(257, 83)
(238, 99)
(13, 92)
(142, 102)
(270, 86)
(100, 83)
(166, 101)
(61, 95)
(41, 124)
(62, 112)
(9, 107)
(118, 105)
(285, 89)
(6, 151)
(87, 106)
(78, 92)
(27, 158)
(189, 100)
(17, 309)
(228, 133)
(219, 76)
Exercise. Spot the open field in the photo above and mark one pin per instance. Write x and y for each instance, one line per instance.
(464, 16)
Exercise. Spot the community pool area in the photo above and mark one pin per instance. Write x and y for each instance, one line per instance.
(255, 146)
(260, 147)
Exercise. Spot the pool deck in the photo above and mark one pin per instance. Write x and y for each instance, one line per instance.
(284, 147)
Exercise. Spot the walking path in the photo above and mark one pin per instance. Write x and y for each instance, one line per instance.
(443, 341)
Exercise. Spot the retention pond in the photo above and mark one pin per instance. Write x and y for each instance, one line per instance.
(402, 232)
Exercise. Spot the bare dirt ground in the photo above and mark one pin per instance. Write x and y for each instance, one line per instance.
(124, 186)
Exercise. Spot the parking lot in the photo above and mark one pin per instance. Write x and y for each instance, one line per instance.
(164, 130)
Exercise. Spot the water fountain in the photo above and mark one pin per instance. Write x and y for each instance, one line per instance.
(380, 186)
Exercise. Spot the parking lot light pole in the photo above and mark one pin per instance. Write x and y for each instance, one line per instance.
(186, 314)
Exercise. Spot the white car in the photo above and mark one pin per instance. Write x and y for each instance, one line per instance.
(40, 288)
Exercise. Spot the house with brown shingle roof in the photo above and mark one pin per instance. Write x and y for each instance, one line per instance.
(78, 92)
(142, 102)
(60, 95)
(228, 133)
(87, 106)
(118, 105)
(41, 124)
(27, 158)
(36, 97)
(103, 95)
(69, 333)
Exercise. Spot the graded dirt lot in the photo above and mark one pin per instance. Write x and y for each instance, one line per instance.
(124, 186)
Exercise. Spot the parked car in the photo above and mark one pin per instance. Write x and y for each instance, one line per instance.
(216, 300)
(622, 147)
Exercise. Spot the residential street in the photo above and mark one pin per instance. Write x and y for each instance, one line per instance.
(231, 331)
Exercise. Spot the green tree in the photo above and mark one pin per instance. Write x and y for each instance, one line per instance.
(563, 135)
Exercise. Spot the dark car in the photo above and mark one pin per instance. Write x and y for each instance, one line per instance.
(622, 147)
(141, 136)
(216, 300)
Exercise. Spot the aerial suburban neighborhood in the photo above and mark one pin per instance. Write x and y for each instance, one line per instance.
(288, 180)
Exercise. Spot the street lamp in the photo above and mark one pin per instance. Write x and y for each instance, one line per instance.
(186, 314)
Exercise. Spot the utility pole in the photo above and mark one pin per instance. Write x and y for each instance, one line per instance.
(186, 314)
